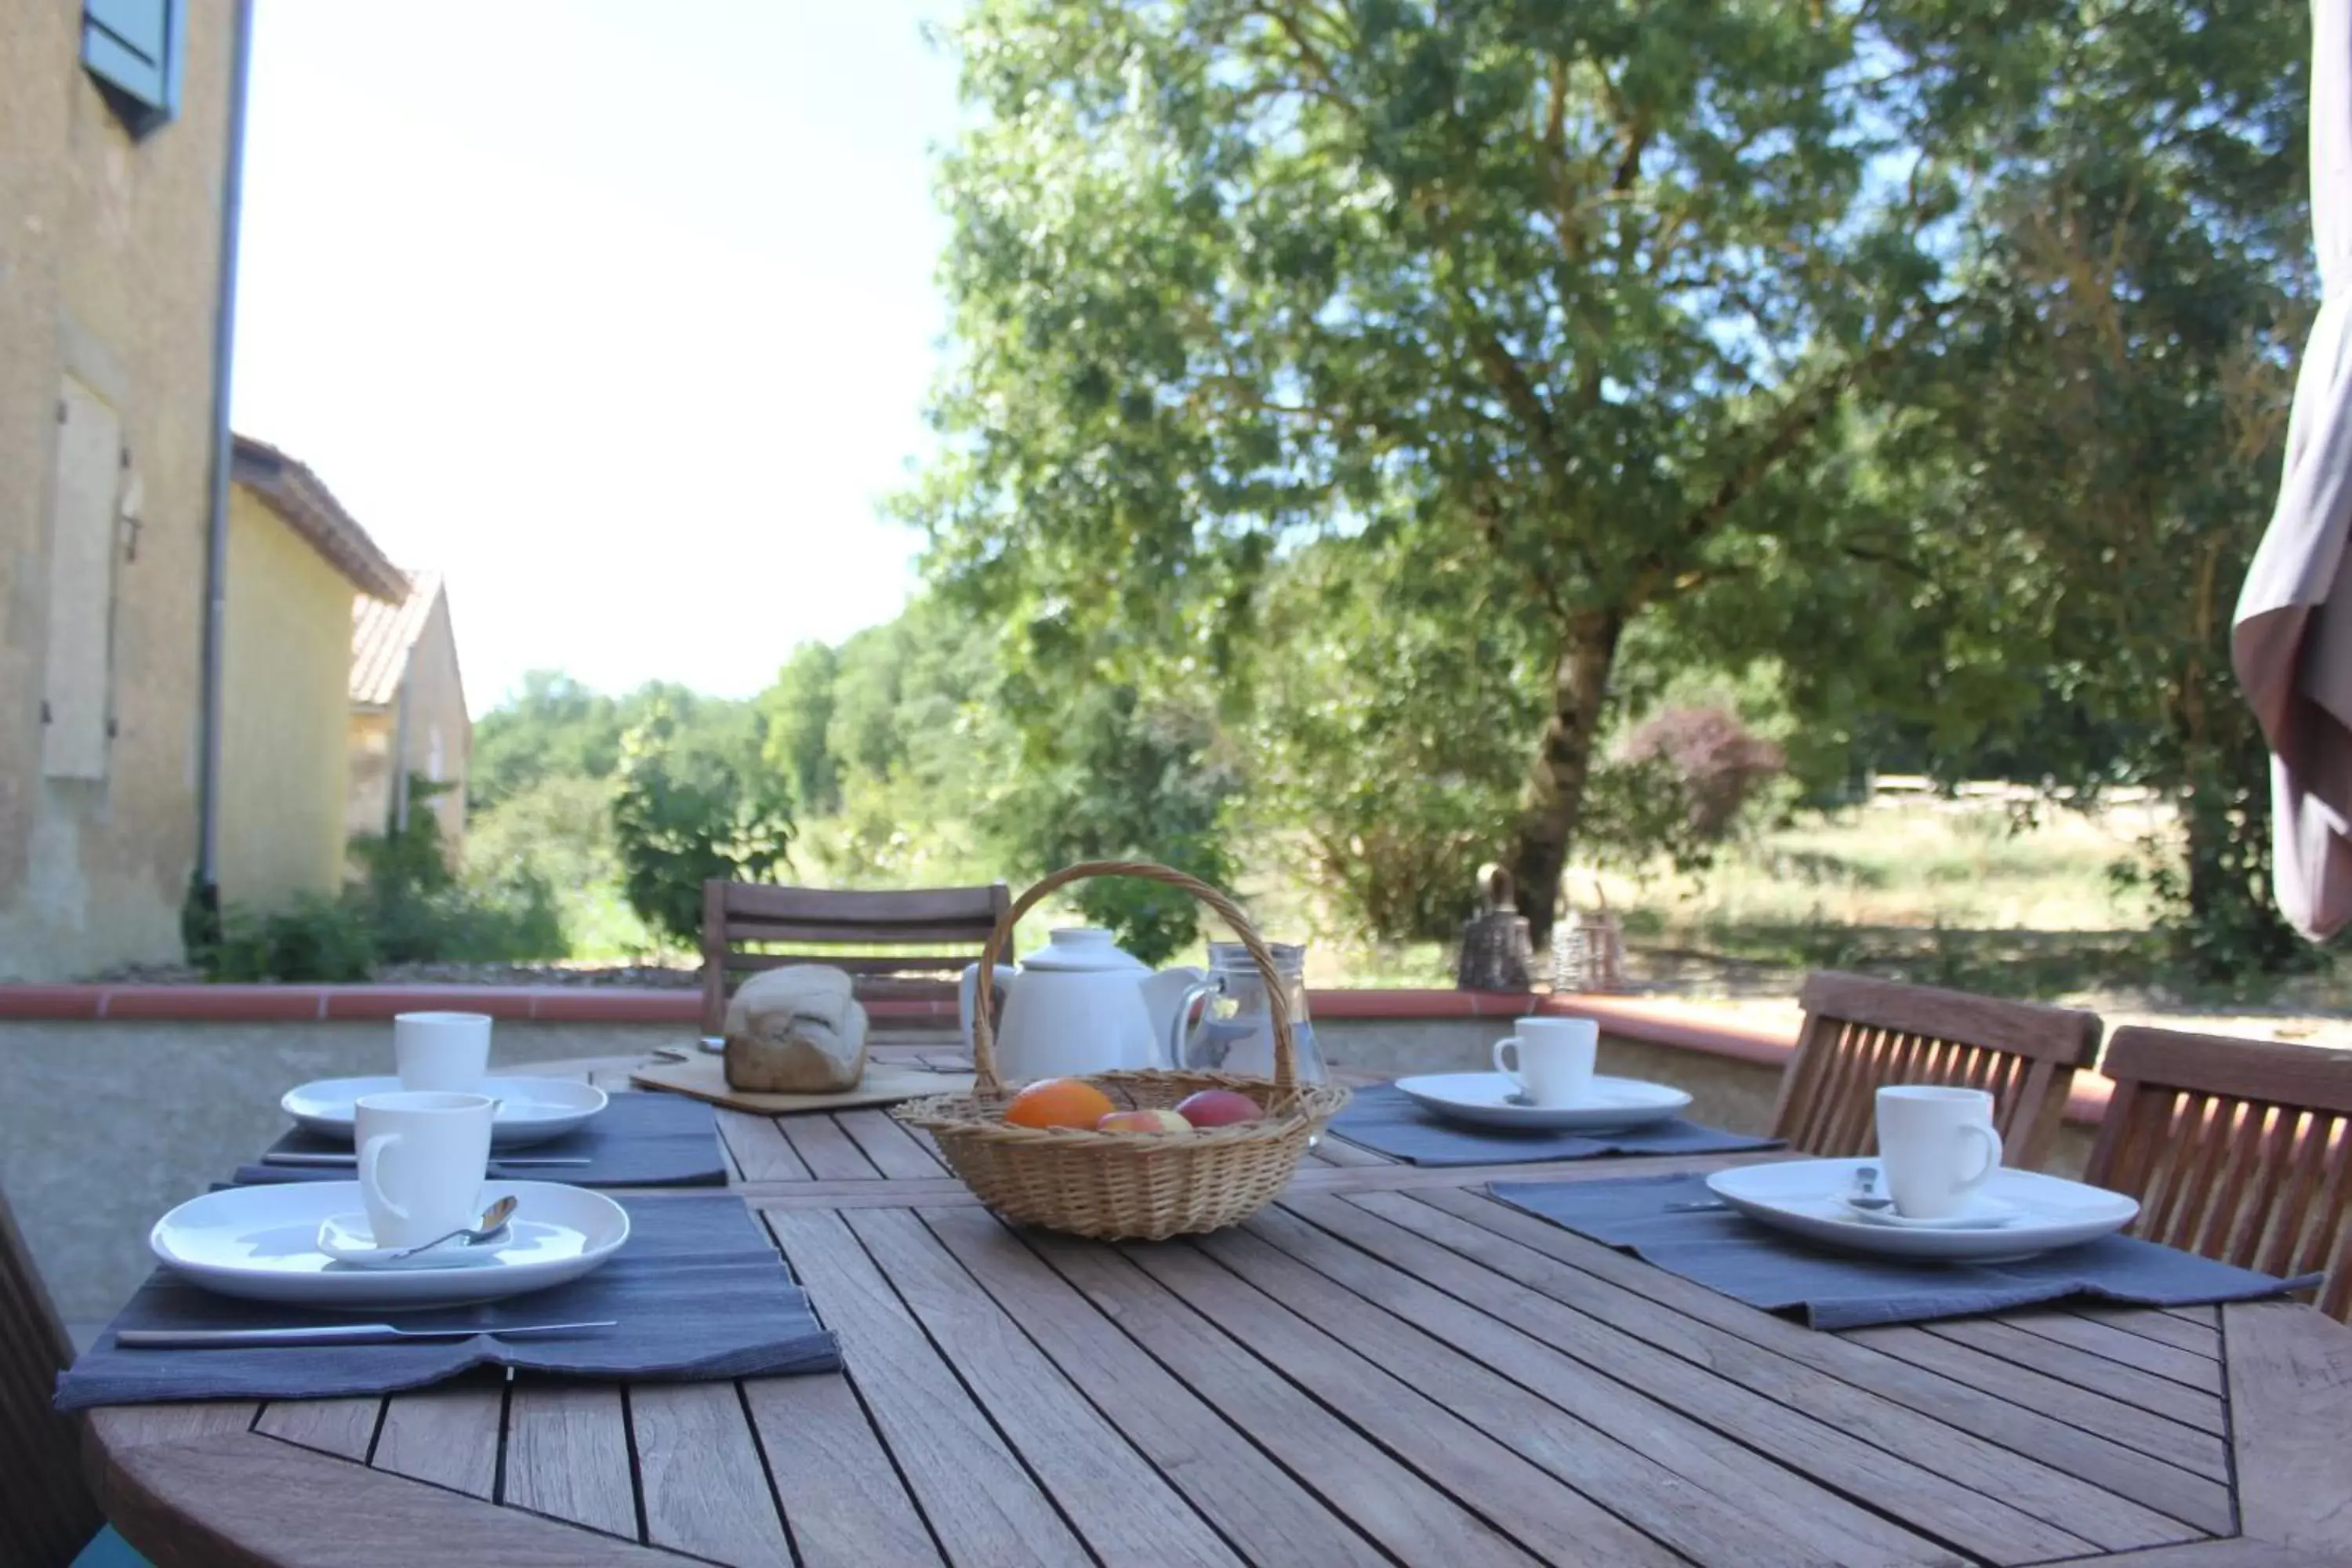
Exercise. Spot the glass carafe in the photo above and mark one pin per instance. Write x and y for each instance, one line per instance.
(1235, 1031)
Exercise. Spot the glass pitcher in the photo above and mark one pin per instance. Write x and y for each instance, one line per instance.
(1235, 1032)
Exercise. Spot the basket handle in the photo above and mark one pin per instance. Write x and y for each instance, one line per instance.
(984, 1028)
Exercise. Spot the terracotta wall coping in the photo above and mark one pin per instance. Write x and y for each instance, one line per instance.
(1631, 1018)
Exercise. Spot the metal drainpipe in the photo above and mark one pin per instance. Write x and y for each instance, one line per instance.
(208, 759)
(400, 755)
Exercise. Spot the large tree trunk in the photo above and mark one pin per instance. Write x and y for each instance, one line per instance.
(1554, 800)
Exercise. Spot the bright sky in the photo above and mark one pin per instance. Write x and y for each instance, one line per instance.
(619, 313)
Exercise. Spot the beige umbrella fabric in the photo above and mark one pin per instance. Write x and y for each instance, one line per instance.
(2292, 641)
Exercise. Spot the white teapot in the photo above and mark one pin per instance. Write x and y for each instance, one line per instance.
(1080, 1006)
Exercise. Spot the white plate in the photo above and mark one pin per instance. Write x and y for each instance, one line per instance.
(346, 1239)
(1977, 1212)
(1483, 1098)
(1806, 1197)
(530, 1110)
(262, 1243)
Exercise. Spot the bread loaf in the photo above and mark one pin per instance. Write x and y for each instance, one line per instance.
(796, 1030)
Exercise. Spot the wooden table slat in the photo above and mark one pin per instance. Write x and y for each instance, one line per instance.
(830, 1154)
(1946, 1481)
(264, 1502)
(1115, 1499)
(2140, 1352)
(758, 1147)
(700, 1473)
(2201, 1453)
(447, 1436)
(2290, 1394)
(1742, 1524)
(1524, 1501)
(1337, 1150)
(567, 1454)
(2024, 1428)
(888, 1143)
(117, 1428)
(974, 1492)
(1395, 1505)
(2166, 1328)
(344, 1427)
(1385, 1271)
(843, 1500)
(1268, 1516)
(2237, 1553)
(2172, 1399)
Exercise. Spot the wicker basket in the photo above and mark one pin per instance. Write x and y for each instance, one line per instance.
(1127, 1185)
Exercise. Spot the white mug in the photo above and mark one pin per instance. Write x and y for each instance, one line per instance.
(446, 1051)
(1938, 1145)
(421, 1158)
(1551, 1059)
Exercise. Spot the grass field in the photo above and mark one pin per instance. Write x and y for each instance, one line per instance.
(1986, 892)
(1980, 892)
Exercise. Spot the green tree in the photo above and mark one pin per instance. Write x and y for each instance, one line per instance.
(1387, 739)
(1121, 776)
(2105, 430)
(556, 728)
(1575, 296)
(553, 728)
(798, 711)
(695, 803)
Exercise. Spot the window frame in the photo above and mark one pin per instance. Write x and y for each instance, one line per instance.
(143, 91)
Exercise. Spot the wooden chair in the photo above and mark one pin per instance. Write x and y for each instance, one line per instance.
(1862, 1033)
(957, 920)
(2236, 1149)
(45, 1513)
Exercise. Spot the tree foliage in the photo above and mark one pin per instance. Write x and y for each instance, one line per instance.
(693, 804)
(1572, 295)
(1938, 361)
(2101, 437)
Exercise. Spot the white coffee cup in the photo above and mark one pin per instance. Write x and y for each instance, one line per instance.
(449, 1052)
(1937, 1146)
(1551, 1059)
(422, 1159)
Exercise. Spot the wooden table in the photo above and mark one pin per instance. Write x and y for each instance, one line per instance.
(1387, 1367)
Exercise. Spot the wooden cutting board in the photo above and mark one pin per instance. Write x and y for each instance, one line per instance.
(704, 1076)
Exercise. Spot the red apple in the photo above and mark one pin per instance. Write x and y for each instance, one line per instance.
(1142, 1121)
(1219, 1108)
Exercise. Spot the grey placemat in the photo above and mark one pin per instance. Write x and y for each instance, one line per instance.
(1385, 1118)
(636, 1141)
(1728, 1252)
(697, 1290)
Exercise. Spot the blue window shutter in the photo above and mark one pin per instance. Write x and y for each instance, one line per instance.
(134, 48)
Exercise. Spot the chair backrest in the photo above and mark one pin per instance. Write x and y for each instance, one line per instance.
(47, 1514)
(945, 928)
(1862, 1033)
(2236, 1149)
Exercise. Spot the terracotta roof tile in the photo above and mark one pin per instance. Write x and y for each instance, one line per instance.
(381, 636)
(310, 509)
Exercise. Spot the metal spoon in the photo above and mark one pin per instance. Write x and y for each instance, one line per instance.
(1865, 1194)
(494, 1220)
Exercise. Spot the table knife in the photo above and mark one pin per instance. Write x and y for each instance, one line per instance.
(294, 1157)
(326, 1334)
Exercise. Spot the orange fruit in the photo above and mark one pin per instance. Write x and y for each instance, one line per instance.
(1059, 1102)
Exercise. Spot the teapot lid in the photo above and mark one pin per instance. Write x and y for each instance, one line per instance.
(1078, 950)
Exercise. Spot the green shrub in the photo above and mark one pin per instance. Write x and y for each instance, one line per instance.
(406, 907)
(694, 804)
(315, 939)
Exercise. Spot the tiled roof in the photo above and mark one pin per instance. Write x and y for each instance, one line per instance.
(382, 635)
(310, 509)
